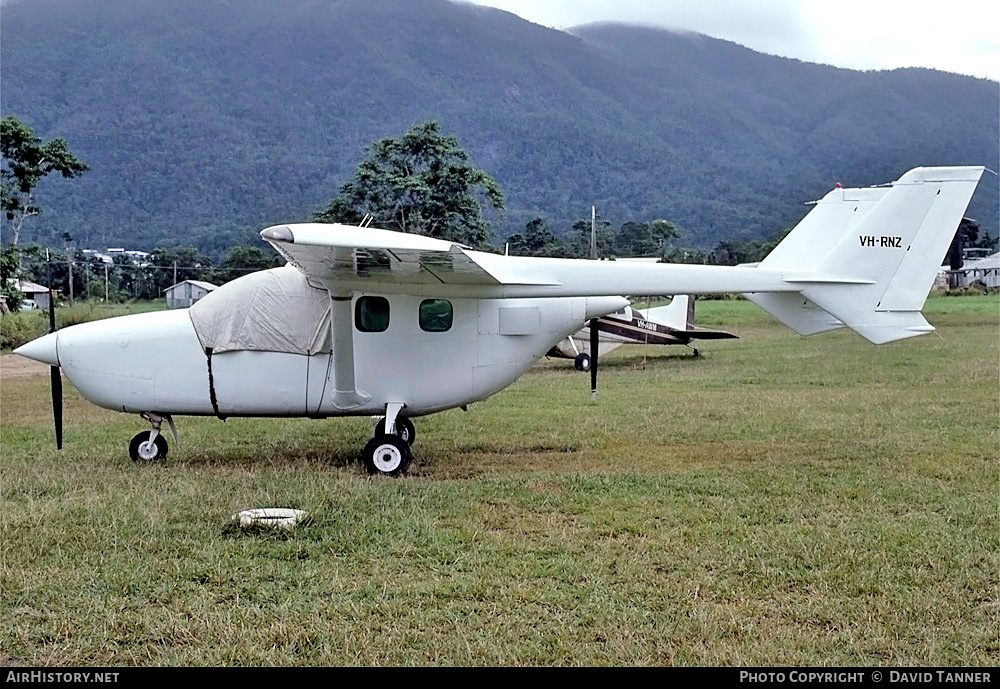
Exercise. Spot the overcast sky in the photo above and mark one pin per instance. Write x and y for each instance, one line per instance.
(953, 35)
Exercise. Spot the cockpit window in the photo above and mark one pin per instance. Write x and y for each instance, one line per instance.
(371, 314)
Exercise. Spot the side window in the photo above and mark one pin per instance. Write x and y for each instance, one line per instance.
(371, 314)
(435, 315)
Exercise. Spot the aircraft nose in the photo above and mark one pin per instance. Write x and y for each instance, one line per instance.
(43, 349)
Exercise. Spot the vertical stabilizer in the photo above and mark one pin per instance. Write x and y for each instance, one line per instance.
(875, 253)
(678, 314)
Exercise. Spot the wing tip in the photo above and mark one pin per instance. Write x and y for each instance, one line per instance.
(278, 233)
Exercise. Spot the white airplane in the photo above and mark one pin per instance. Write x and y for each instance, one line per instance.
(377, 323)
(672, 324)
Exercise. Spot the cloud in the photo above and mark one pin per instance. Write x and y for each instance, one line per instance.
(859, 34)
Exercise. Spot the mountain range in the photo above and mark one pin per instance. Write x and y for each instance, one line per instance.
(204, 120)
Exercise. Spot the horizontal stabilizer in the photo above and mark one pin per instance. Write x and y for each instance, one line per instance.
(797, 312)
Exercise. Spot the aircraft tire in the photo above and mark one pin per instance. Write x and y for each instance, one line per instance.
(140, 451)
(404, 429)
(386, 455)
(582, 362)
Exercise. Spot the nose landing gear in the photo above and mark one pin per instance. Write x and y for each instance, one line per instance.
(149, 446)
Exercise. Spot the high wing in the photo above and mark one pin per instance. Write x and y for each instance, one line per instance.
(344, 254)
(344, 257)
(864, 260)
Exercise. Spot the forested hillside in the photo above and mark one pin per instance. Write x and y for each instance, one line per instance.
(204, 119)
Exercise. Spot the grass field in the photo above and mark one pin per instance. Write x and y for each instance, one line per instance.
(780, 500)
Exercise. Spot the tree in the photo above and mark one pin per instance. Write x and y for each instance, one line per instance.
(26, 160)
(967, 236)
(536, 240)
(134, 278)
(645, 239)
(731, 252)
(987, 242)
(579, 239)
(422, 183)
(675, 254)
(242, 260)
(9, 261)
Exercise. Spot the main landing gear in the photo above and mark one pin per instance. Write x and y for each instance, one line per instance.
(388, 454)
(149, 446)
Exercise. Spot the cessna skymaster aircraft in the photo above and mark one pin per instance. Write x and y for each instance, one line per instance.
(370, 322)
(672, 324)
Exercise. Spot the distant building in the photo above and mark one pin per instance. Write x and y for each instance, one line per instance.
(135, 257)
(184, 294)
(33, 292)
(103, 258)
(984, 270)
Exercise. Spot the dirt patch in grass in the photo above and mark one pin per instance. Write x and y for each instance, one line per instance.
(13, 366)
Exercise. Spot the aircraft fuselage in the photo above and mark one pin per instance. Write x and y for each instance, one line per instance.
(154, 362)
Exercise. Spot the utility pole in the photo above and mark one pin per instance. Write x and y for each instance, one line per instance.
(593, 232)
(69, 261)
(105, 283)
(52, 292)
(175, 272)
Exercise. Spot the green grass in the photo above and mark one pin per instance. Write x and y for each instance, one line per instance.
(781, 500)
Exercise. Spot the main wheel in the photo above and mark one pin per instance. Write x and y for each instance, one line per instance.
(387, 455)
(404, 429)
(582, 362)
(141, 450)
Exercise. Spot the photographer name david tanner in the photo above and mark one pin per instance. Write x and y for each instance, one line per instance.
(940, 676)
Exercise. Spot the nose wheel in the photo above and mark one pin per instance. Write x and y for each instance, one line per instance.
(150, 446)
(144, 449)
